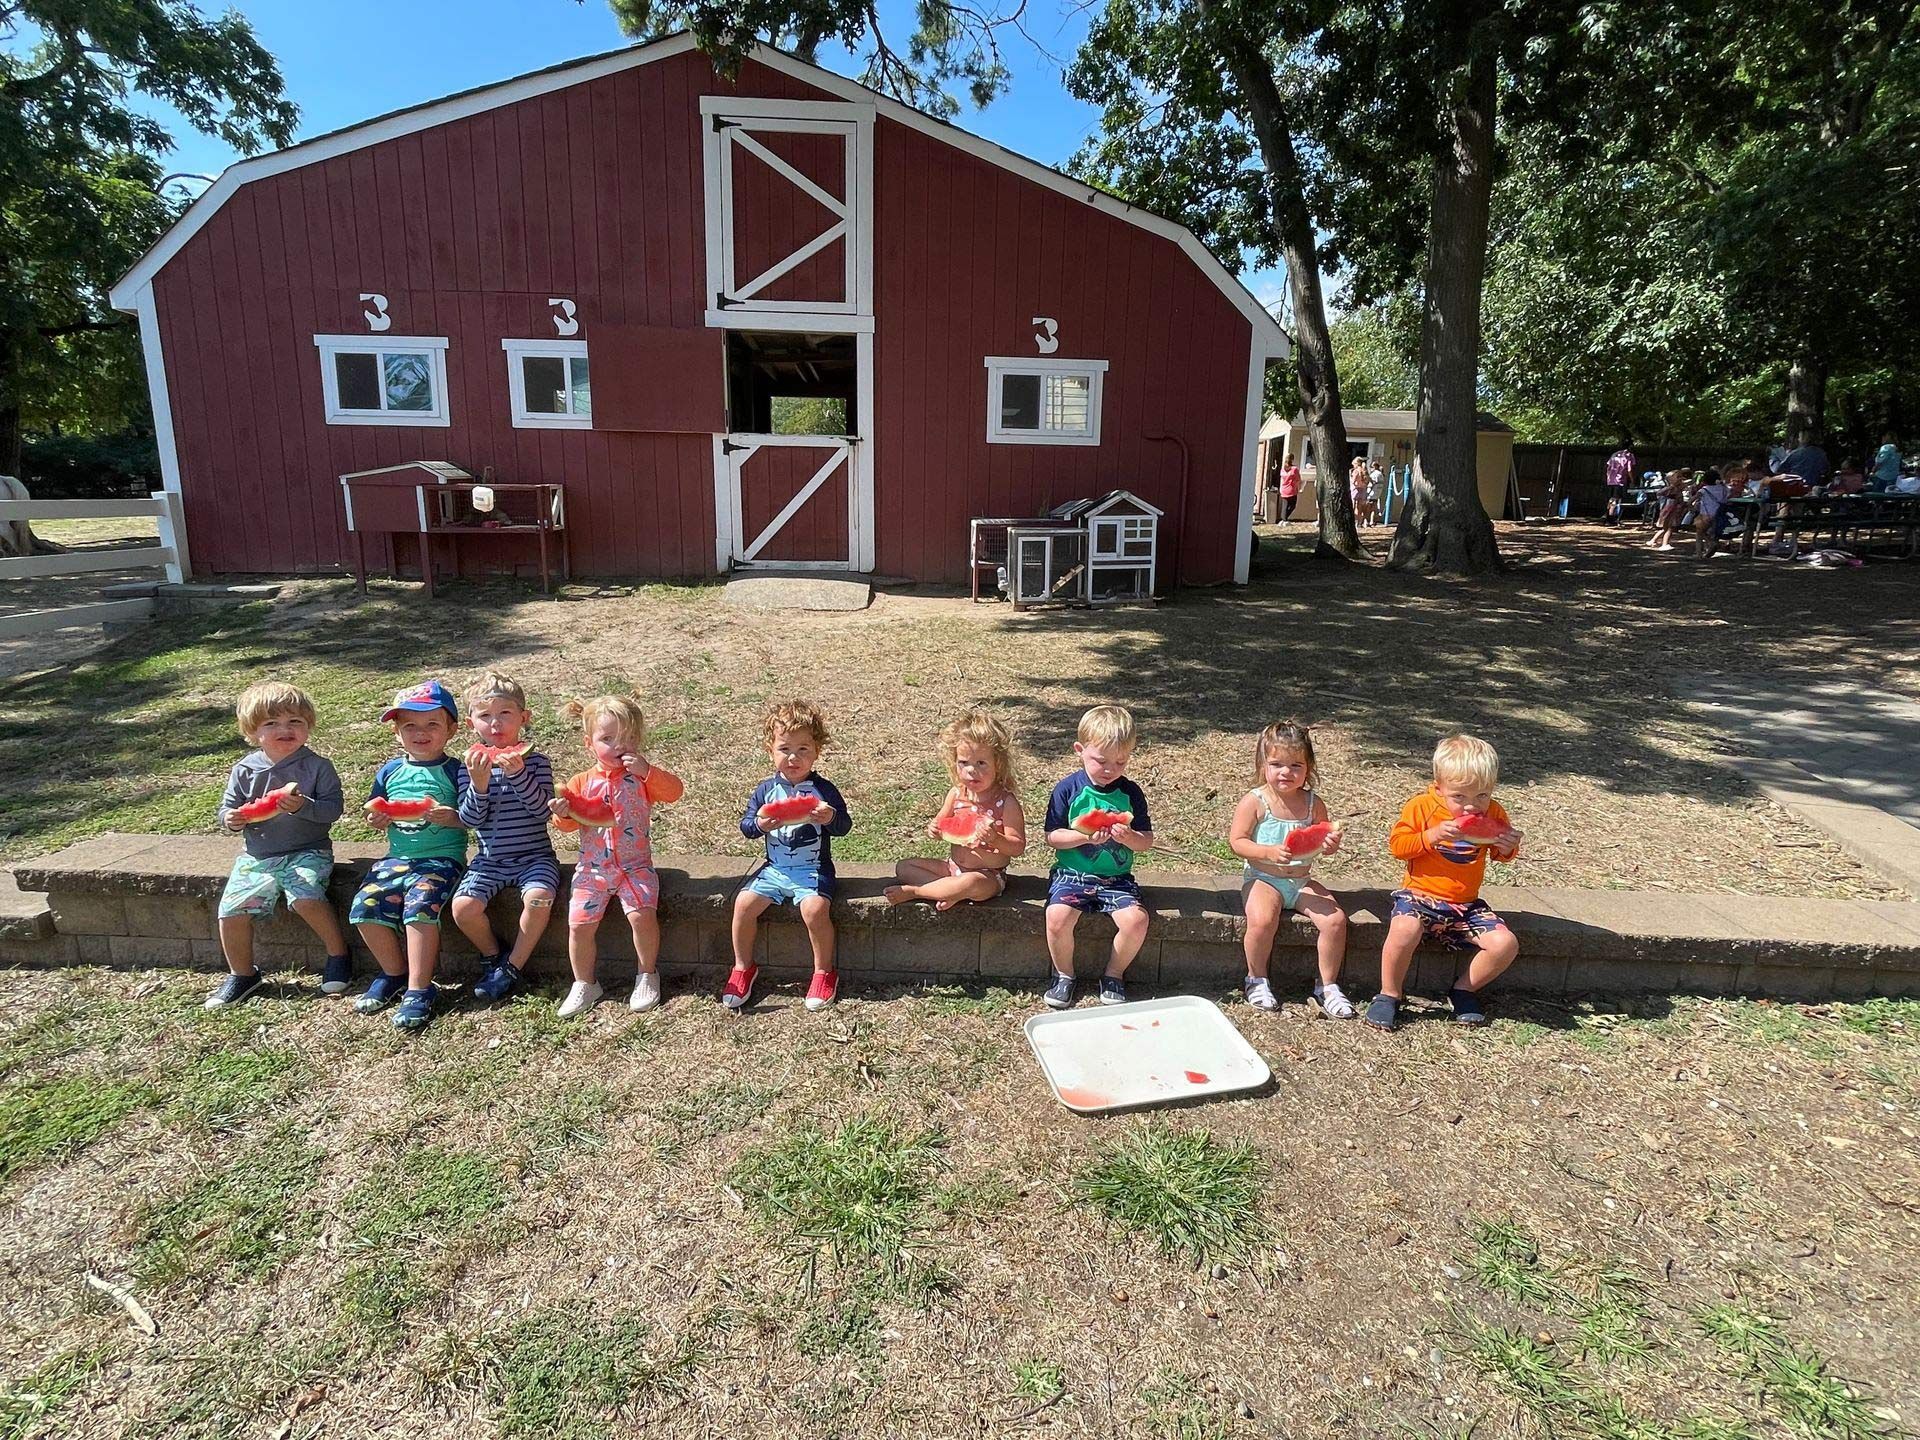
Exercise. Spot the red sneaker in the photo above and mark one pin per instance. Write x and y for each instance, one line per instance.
(739, 987)
(826, 984)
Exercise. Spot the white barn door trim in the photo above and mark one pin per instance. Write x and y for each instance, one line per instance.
(857, 122)
(839, 467)
(730, 125)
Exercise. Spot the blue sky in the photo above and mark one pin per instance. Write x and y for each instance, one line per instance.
(347, 60)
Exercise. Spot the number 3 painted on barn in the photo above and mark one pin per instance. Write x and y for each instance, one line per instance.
(1048, 340)
(563, 322)
(377, 317)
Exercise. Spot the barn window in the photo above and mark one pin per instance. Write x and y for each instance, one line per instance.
(549, 384)
(1043, 402)
(395, 380)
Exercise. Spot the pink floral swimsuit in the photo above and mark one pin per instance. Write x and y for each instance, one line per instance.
(617, 859)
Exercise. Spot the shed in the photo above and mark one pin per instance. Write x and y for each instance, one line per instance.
(780, 320)
(1386, 436)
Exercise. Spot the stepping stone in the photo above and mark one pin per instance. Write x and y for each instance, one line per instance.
(23, 914)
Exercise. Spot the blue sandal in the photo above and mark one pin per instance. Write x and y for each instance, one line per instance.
(1467, 1009)
(381, 992)
(1383, 1013)
(416, 1009)
(500, 981)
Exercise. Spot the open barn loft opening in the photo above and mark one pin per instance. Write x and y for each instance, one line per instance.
(791, 384)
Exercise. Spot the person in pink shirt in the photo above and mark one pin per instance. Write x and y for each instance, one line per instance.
(1289, 488)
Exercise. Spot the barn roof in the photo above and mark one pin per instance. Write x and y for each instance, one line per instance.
(1268, 336)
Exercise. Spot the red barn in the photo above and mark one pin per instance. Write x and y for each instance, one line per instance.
(781, 320)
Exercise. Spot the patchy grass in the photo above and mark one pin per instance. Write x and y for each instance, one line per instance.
(26, 1404)
(355, 1256)
(861, 1193)
(1187, 1192)
(229, 1085)
(42, 1121)
(564, 1374)
(428, 1193)
(242, 1221)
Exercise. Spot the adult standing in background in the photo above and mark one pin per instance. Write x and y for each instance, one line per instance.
(1886, 463)
(1289, 488)
(1622, 466)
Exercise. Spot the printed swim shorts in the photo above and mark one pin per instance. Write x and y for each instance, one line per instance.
(256, 884)
(1456, 927)
(401, 891)
(1095, 894)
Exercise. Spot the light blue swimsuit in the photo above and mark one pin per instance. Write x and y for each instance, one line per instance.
(1273, 830)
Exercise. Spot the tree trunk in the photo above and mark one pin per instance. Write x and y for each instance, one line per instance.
(1806, 399)
(1445, 527)
(9, 410)
(1292, 224)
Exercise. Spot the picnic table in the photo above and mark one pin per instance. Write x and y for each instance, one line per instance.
(1849, 519)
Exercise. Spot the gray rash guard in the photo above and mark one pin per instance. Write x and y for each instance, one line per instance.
(254, 777)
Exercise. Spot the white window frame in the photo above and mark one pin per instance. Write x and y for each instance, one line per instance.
(332, 346)
(999, 367)
(564, 350)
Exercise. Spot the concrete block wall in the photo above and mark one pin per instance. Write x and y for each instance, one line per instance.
(142, 901)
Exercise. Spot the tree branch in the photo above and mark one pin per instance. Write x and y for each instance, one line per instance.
(79, 327)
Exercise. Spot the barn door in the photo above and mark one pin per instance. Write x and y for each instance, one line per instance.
(787, 212)
(793, 500)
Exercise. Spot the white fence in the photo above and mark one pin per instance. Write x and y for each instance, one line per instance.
(171, 553)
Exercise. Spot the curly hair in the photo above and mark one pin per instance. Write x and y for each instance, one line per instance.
(785, 715)
(1284, 735)
(259, 703)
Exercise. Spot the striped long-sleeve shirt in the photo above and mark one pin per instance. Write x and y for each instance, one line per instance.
(510, 816)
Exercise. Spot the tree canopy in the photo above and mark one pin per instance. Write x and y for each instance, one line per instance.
(80, 180)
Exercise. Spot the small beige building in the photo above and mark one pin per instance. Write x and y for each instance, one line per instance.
(1382, 435)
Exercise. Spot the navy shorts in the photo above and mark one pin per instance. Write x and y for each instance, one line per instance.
(1095, 894)
(488, 876)
(1456, 927)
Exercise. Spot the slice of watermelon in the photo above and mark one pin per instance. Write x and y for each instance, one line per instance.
(785, 812)
(494, 754)
(960, 828)
(1308, 841)
(1094, 821)
(587, 809)
(402, 809)
(1481, 829)
(265, 808)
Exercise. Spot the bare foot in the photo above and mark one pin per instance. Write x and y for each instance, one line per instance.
(899, 894)
(948, 904)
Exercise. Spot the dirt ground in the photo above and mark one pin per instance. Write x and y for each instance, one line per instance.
(1569, 662)
(1561, 1226)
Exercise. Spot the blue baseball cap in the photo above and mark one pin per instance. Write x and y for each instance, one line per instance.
(429, 695)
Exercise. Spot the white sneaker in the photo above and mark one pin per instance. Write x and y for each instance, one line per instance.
(582, 997)
(646, 990)
(1666, 547)
(1333, 1002)
(1259, 993)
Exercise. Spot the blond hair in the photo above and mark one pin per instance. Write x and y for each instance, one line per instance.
(1466, 760)
(977, 727)
(1283, 735)
(494, 686)
(259, 703)
(785, 715)
(1108, 725)
(623, 710)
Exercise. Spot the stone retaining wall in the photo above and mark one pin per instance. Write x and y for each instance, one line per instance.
(146, 900)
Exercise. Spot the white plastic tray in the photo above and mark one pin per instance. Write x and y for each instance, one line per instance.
(1147, 1053)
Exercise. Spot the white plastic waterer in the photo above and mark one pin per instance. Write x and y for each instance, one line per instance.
(483, 499)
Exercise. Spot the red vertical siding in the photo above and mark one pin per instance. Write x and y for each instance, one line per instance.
(596, 193)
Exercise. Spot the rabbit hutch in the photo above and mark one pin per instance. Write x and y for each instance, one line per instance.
(1103, 551)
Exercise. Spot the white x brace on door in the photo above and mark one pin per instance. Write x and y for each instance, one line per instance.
(788, 208)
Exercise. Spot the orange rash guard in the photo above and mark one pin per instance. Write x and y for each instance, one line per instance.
(1452, 872)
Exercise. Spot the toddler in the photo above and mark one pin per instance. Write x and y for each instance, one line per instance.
(426, 853)
(611, 805)
(288, 851)
(1673, 504)
(509, 787)
(799, 867)
(979, 755)
(1273, 883)
(1093, 869)
(1440, 897)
